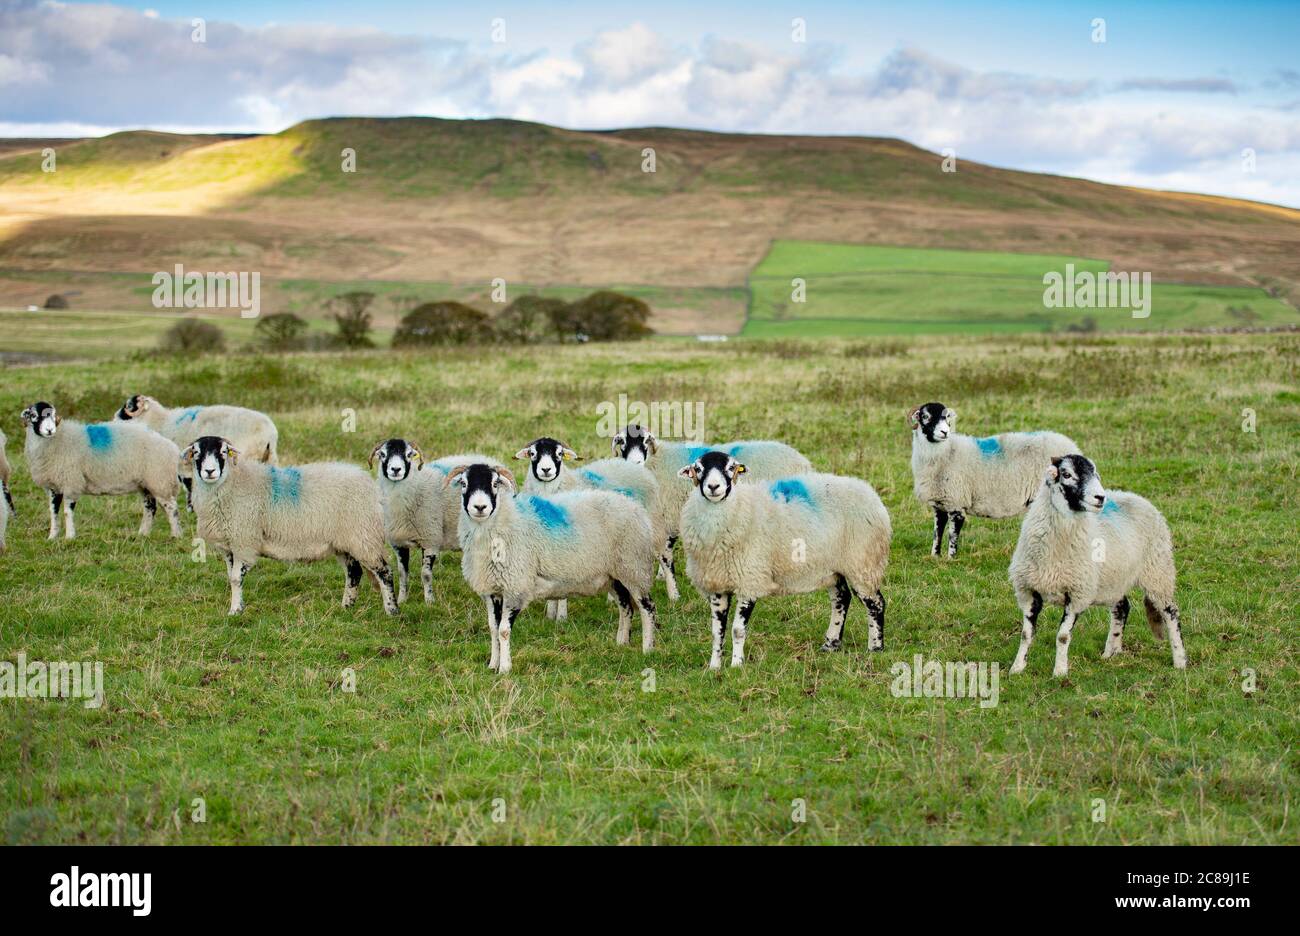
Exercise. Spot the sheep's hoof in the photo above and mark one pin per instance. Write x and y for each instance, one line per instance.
(830, 646)
(1017, 668)
(715, 666)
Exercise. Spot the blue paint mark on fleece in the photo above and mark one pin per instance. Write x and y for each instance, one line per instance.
(1110, 507)
(791, 490)
(187, 415)
(552, 516)
(286, 484)
(445, 469)
(100, 437)
(989, 447)
(593, 478)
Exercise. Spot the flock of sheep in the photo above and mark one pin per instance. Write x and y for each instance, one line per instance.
(753, 517)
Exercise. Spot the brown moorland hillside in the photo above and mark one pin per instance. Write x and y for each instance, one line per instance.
(466, 201)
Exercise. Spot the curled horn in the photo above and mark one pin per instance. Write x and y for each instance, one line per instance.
(913, 417)
(454, 474)
(505, 473)
(187, 456)
(567, 452)
(374, 452)
(419, 456)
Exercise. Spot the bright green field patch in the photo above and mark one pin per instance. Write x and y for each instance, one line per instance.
(862, 290)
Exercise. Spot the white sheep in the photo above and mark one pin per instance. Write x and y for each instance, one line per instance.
(71, 459)
(548, 476)
(957, 474)
(307, 512)
(419, 510)
(519, 549)
(1082, 546)
(248, 430)
(764, 460)
(783, 537)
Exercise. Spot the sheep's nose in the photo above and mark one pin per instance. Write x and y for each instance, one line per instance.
(713, 487)
(1099, 499)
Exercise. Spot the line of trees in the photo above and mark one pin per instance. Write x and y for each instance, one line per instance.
(530, 319)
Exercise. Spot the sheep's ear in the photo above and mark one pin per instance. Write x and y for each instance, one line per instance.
(651, 442)
(569, 454)
(914, 418)
(232, 455)
(57, 419)
(950, 415)
(187, 456)
(688, 472)
(617, 444)
(505, 475)
(454, 475)
(739, 469)
(374, 453)
(1053, 470)
(142, 403)
(27, 414)
(525, 454)
(415, 453)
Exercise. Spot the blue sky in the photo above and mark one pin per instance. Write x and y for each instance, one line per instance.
(1171, 99)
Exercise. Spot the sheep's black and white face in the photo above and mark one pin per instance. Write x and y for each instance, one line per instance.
(714, 473)
(395, 459)
(211, 457)
(480, 485)
(1075, 484)
(132, 408)
(42, 418)
(635, 443)
(934, 421)
(546, 456)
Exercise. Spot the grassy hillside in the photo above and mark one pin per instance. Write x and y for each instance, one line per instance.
(250, 714)
(463, 202)
(851, 289)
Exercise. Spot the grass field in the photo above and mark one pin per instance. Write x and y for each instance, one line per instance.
(250, 713)
(854, 289)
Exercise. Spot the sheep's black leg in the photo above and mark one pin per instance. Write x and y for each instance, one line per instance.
(56, 503)
(719, 607)
(403, 571)
(1172, 626)
(352, 571)
(958, 521)
(427, 560)
(672, 556)
(624, 612)
(503, 636)
(384, 576)
(649, 622)
(189, 493)
(875, 605)
(1115, 639)
(739, 630)
(150, 511)
(1068, 618)
(940, 522)
(493, 603)
(1030, 605)
(9, 499)
(841, 598)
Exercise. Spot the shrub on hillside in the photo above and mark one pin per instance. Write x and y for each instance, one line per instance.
(282, 331)
(351, 314)
(56, 301)
(192, 336)
(609, 316)
(529, 319)
(446, 322)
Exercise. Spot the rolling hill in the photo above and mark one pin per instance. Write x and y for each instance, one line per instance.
(456, 203)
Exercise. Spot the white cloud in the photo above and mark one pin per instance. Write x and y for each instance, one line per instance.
(106, 66)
